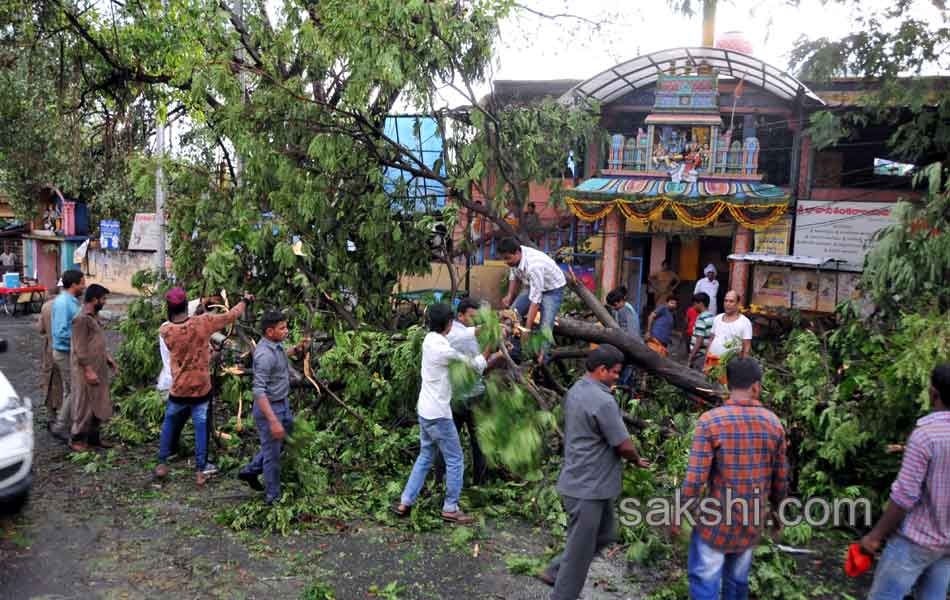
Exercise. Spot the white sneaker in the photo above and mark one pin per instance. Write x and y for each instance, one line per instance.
(210, 469)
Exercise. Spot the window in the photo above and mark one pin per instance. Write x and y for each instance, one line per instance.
(891, 168)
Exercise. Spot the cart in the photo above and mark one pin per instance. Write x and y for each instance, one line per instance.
(28, 299)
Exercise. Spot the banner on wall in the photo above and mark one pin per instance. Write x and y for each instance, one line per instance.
(776, 239)
(840, 230)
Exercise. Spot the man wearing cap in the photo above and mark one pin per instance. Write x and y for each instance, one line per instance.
(710, 286)
(187, 339)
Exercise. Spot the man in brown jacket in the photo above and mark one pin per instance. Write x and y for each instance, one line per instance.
(92, 367)
(187, 339)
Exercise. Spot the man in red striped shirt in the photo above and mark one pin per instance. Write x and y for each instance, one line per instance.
(919, 510)
(736, 463)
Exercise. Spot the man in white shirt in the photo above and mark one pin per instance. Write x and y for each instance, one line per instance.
(462, 337)
(710, 286)
(731, 331)
(436, 427)
(7, 260)
(545, 281)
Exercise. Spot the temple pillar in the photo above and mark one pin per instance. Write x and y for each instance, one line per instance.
(613, 252)
(739, 271)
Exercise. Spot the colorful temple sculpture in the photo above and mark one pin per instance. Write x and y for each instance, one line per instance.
(684, 163)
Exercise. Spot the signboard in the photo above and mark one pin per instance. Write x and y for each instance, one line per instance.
(776, 239)
(840, 230)
(770, 286)
(109, 235)
(144, 232)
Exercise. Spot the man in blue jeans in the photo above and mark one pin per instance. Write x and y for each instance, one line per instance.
(918, 515)
(188, 342)
(436, 426)
(272, 416)
(545, 281)
(737, 462)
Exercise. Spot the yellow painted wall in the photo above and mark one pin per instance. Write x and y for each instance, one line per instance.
(485, 281)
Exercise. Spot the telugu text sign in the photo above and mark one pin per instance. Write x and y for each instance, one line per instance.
(840, 230)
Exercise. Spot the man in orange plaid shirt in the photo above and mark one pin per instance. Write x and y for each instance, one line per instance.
(738, 458)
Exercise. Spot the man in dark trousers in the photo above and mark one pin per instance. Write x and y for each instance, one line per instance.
(595, 439)
(272, 416)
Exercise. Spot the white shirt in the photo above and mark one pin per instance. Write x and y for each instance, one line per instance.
(462, 338)
(540, 272)
(435, 397)
(165, 377)
(708, 287)
(7, 259)
(729, 336)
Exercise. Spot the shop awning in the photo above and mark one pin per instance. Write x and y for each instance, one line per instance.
(752, 204)
(783, 260)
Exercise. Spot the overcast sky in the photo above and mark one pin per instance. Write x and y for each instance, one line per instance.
(534, 47)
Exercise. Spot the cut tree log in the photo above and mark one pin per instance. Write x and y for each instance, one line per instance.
(635, 350)
(640, 355)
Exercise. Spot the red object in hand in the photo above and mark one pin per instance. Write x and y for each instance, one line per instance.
(857, 562)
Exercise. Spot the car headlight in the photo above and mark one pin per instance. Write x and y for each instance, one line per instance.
(14, 415)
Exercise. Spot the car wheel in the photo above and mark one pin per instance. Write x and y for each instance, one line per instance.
(14, 504)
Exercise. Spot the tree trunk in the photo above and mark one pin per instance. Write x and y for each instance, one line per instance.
(640, 355)
(590, 300)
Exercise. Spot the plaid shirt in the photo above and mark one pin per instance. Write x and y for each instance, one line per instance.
(738, 453)
(922, 487)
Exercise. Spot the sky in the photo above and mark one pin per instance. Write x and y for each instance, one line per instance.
(534, 47)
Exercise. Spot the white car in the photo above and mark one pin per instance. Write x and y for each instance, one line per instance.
(16, 447)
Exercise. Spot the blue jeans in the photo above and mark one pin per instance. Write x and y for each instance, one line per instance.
(176, 415)
(709, 570)
(550, 306)
(441, 433)
(267, 461)
(904, 564)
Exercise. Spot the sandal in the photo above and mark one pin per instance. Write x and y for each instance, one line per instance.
(401, 513)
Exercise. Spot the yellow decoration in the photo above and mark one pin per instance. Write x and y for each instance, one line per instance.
(578, 207)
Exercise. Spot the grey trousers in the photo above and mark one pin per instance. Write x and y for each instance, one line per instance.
(64, 418)
(591, 526)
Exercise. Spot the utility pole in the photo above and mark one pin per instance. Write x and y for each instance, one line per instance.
(160, 195)
(238, 7)
(709, 23)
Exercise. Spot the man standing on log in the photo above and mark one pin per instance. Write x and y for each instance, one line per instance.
(436, 427)
(545, 281)
(731, 331)
(91, 371)
(595, 441)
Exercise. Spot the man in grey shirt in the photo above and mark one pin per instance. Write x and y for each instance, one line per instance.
(595, 439)
(272, 415)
